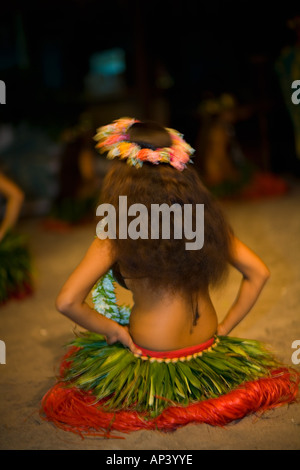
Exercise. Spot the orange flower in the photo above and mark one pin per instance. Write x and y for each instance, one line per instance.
(125, 148)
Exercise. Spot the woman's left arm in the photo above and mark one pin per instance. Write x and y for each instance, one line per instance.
(71, 300)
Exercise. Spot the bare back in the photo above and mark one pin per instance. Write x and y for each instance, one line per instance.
(164, 320)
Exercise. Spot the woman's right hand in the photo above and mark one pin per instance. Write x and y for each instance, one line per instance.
(221, 330)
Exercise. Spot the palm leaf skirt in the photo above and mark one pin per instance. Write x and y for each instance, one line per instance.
(15, 267)
(104, 388)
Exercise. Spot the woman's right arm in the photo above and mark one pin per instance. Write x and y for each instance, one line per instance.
(255, 274)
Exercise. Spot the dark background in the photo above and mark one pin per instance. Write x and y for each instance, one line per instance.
(176, 54)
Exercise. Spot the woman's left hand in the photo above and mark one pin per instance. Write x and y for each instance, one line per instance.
(121, 334)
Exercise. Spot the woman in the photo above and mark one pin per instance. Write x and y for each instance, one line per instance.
(173, 360)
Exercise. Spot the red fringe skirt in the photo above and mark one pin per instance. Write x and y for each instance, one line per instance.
(76, 410)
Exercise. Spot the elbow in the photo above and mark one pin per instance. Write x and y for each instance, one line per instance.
(264, 274)
(64, 304)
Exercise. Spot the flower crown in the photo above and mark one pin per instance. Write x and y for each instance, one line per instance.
(114, 140)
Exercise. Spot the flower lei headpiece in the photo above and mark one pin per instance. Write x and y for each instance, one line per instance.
(114, 140)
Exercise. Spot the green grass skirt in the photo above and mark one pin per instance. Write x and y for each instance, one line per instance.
(104, 389)
(124, 381)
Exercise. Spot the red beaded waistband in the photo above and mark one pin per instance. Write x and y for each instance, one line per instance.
(177, 353)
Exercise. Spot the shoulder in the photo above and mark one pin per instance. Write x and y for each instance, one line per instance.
(104, 249)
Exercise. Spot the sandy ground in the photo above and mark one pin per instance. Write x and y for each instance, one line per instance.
(34, 334)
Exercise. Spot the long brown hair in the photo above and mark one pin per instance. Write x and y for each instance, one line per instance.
(166, 263)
